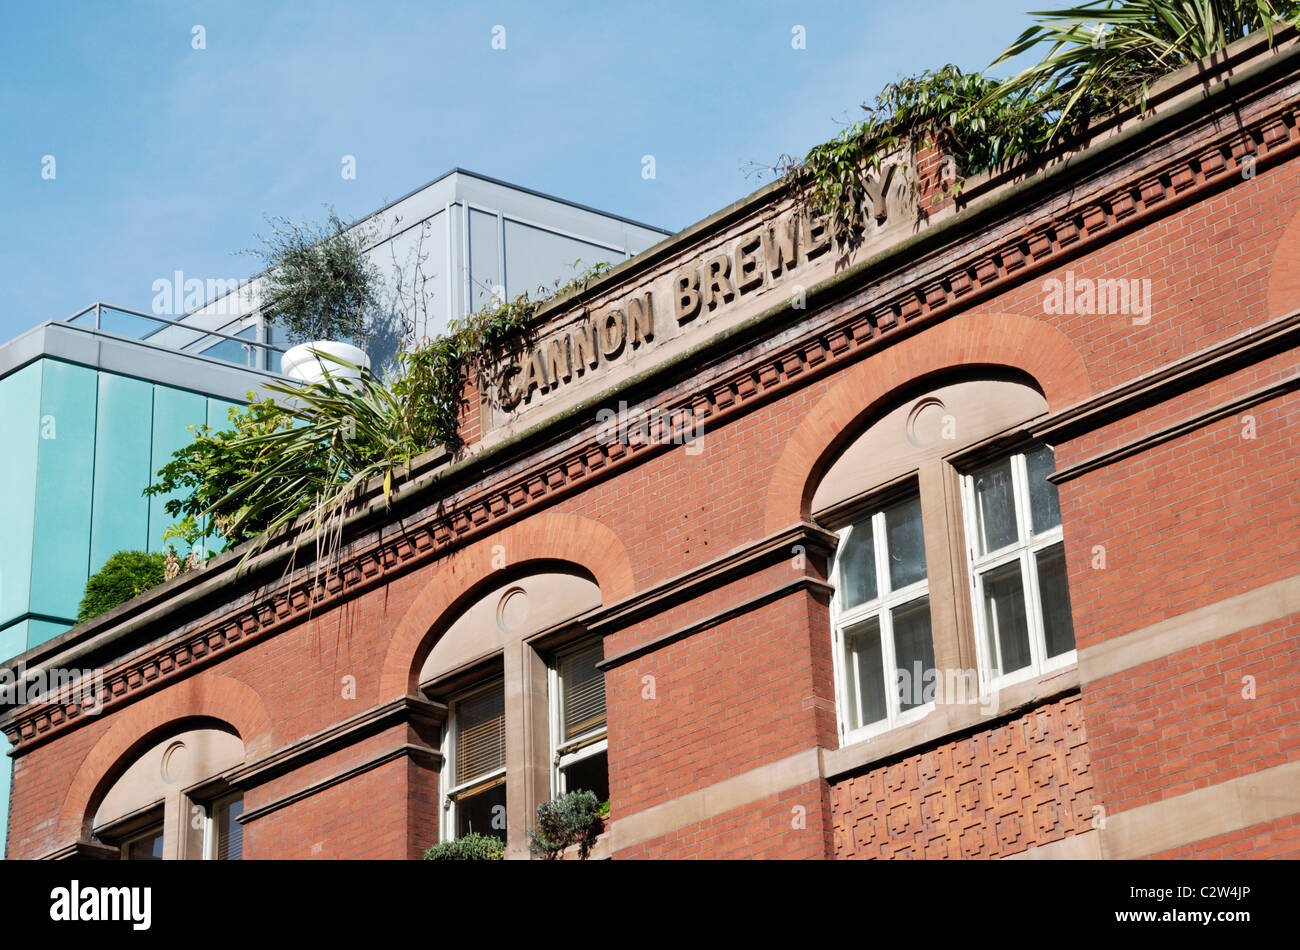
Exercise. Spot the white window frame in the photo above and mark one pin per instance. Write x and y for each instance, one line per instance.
(590, 743)
(210, 823)
(483, 782)
(882, 608)
(1025, 550)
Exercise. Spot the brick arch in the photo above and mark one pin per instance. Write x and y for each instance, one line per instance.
(1284, 272)
(206, 696)
(552, 537)
(993, 340)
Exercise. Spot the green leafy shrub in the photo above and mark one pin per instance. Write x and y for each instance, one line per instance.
(311, 452)
(474, 847)
(125, 575)
(307, 455)
(574, 818)
(944, 109)
(1097, 58)
(432, 374)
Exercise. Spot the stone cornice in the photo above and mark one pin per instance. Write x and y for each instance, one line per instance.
(349, 732)
(1184, 426)
(711, 575)
(417, 751)
(1172, 379)
(971, 256)
(745, 606)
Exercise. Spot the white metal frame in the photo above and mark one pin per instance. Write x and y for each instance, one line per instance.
(210, 824)
(502, 217)
(450, 790)
(564, 754)
(1024, 550)
(881, 608)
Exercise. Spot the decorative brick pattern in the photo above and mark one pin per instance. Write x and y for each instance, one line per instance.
(1022, 783)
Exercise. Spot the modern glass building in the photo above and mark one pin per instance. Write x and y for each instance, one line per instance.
(446, 250)
(92, 406)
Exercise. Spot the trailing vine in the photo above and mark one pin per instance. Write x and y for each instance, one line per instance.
(311, 451)
(958, 114)
(1098, 58)
(432, 374)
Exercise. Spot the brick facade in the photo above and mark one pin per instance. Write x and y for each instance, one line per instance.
(1177, 457)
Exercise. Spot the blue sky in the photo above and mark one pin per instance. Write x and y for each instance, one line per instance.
(166, 157)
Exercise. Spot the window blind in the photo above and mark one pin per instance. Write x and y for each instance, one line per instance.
(480, 734)
(230, 833)
(582, 691)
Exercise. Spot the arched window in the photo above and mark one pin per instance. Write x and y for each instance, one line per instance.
(950, 572)
(526, 702)
(173, 802)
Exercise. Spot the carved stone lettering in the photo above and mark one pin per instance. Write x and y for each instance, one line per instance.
(584, 346)
(687, 296)
(613, 333)
(782, 241)
(641, 319)
(749, 266)
(717, 287)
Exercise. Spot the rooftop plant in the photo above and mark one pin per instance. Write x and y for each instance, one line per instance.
(125, 575)
(306, 454)
(319, 283)
(309, 448)
(1097, 58)
(1105, 54)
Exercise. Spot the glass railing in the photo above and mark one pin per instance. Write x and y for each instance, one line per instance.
(242, 348)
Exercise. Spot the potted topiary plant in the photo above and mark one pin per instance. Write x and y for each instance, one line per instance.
(320, 287)
(572, 819)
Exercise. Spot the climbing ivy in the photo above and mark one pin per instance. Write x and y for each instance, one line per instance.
(431, 381)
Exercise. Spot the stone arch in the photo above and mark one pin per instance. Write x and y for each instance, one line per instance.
(207, 697)
(996, 340)
(550, 538)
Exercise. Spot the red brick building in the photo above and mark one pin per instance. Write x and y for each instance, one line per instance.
(981, 540)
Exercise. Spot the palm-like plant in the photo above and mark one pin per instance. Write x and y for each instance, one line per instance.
(1105, 54)
(306, 455)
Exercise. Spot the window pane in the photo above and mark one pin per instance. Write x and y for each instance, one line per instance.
(483, 813)
(480, 734)
(995, 506)
(589, 775)
(906, 543)
(582, 692)
(230, 833)
(1004, 617)
(913, 652)
(148, 847)
(1043, 503)
(1054, 592)
(866, 673)
(858, 566)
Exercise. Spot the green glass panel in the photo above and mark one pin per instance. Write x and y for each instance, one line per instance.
(120, 517)
(173, 411)
(64, 488)
(20, 395)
